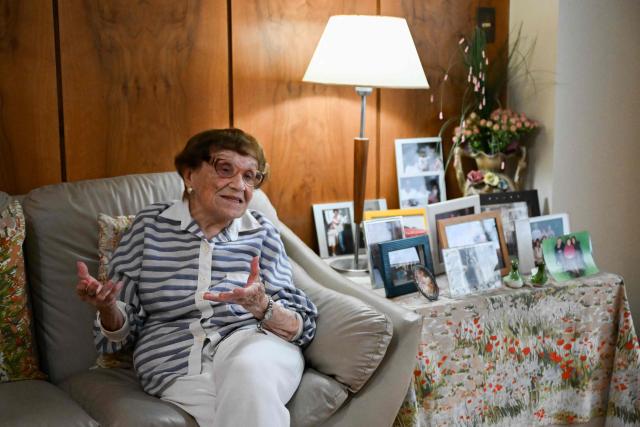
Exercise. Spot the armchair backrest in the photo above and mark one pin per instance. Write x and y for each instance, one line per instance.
(61, 229)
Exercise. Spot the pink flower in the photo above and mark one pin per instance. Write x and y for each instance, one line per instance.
(475, 176)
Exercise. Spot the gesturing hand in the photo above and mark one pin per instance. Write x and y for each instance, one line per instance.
(93, 292)
(252, 296)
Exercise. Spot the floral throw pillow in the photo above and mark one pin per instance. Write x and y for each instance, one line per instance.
(17, 358)
(110, 231)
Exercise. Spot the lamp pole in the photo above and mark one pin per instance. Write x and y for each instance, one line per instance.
(360, 154)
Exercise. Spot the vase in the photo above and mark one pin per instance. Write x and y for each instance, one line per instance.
(489, 162)
(494, 163)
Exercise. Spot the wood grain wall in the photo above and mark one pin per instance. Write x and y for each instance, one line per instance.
(137, 78)
(29, 142)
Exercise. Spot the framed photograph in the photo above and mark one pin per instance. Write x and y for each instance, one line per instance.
(414, 220)
(471, 269)
(378, 231)
(530, 197)
(569, 256)
(334, 228)
(532, 231)
(417, 156)
(426, 282)
(512, 206)
(400, 262)
(375, 205)
(474, 229)
(420, 191)
(439, 211)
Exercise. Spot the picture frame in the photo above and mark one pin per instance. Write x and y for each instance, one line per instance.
(512, 205)
(421, 191)
(400, 260)
(457, 207)
(375, 205)
(417, 156)
(530, 197)
(420, 171)
(471, 269)
(334, 237)
(414, 220)
(378, 231)
(569, 256)
(532, 231)
(473, 229)
(426, 283)
(320, 220)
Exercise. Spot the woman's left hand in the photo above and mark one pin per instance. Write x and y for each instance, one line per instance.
(252, 296)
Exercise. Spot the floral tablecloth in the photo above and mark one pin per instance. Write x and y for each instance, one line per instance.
(560, 354)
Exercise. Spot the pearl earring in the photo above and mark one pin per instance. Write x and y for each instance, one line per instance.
(189, 190)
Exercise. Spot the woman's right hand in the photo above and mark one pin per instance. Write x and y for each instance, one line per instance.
(102, 297)
(93, 292)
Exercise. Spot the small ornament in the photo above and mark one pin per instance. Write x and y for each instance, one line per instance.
(514, 279)
(539, 277)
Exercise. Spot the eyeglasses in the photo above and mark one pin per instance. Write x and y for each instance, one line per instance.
(226, 169)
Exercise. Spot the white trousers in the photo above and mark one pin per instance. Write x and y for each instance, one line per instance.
(248, 382)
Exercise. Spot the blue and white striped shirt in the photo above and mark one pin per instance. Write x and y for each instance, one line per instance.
(166, 264)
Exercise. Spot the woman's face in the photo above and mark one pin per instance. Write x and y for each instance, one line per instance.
(559, 242)
(223, 199)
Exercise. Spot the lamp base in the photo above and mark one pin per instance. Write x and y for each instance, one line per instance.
(348, 265)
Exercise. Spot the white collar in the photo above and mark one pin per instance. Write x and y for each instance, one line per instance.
(179, 211)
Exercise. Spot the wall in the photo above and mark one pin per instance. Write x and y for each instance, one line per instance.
(533, 90)
(92, 89)
(593, 166)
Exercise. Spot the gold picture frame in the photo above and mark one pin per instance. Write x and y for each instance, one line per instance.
(409, 223)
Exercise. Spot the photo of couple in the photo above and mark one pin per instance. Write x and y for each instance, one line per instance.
(569, 256)
(544, 230)
(338, 229)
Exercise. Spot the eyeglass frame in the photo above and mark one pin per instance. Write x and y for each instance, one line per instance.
(211, 160)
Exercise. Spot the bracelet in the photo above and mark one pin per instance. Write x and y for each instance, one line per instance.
(268, 313)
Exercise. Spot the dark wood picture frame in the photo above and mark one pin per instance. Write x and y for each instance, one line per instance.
(444, 241)
(528, 196)
(421, 243)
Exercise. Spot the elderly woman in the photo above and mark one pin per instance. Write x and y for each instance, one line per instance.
(207, 296)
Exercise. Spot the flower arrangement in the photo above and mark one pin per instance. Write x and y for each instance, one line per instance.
(483, 124)
(499, 133)
(478, 177)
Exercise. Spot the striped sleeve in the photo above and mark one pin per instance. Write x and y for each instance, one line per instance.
(125, 265)
(276, 272)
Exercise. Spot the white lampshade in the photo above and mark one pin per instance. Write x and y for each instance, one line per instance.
(373, 51)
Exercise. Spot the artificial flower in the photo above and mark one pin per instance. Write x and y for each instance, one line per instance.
(503, 184)
(491, 179)
(475, 176)
(501, 132)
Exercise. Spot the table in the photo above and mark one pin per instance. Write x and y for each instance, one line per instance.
(561, 354)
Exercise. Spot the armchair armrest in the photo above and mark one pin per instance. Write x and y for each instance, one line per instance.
(379, 400)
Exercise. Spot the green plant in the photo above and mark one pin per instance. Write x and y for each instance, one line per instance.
(483, 124)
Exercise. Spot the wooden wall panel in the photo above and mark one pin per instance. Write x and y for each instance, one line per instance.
(436, 27)
(29, 141)
(138, 79)
(307, 130)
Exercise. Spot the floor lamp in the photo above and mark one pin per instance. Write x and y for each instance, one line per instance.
(365, 52)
